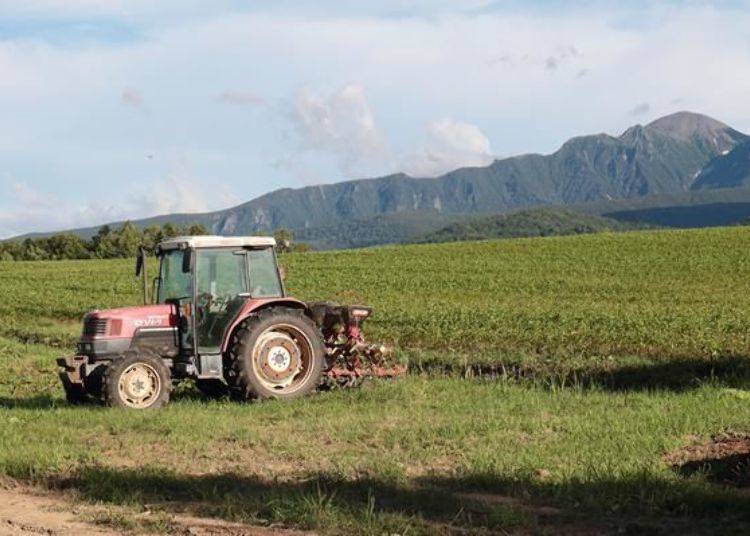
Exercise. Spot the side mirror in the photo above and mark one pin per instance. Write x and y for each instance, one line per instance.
(187, 261)
(282, 273)
(139, 262)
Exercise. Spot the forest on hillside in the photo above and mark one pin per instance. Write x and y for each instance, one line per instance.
(116, 243)
(107, 243)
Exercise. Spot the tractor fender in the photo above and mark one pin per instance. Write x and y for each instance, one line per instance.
(255, 305)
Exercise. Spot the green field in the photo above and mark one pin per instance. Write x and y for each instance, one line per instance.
(550, 378)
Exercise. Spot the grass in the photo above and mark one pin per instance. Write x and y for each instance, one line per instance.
(652, 293)
(551, 377)
(416, 454)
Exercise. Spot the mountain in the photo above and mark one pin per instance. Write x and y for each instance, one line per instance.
(393, 228)
(695, 208)
(664, 157)
(660, 158)
(527, 223)
(730, 170)
(690, 126)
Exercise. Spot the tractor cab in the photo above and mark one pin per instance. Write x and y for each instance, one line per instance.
(210, 279)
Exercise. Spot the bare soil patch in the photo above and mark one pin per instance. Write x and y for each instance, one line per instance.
(724, 460)
(26, 511)
(23, 513)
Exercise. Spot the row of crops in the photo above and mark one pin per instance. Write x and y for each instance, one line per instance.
(656, 293)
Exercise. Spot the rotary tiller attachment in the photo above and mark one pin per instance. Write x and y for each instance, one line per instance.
(349, 358)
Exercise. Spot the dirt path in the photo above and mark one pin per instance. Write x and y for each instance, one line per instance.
(24, 512)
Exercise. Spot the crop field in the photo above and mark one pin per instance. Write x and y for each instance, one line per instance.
(558, 385)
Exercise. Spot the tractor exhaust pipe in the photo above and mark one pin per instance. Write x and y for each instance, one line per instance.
(142, 270)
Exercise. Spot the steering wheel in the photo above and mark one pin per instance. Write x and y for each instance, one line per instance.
(221, 302)
(203, 303)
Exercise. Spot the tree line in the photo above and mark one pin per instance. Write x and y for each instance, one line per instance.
(108, 243)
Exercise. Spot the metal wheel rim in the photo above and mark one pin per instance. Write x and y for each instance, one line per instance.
(263, 368)
(139, 386)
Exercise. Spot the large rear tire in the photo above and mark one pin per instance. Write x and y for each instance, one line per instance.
(137, 381)
(276, 353)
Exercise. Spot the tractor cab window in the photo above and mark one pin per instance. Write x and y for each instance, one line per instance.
(173, 282)
(221, 290)
(221, 273)
(264, 275)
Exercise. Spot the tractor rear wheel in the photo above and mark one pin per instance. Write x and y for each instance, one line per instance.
(276, 353)
(137, 381)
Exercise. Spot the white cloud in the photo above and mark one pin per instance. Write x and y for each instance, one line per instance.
(450, 145)
(240, 98)
(78, 9)
(179, 194)
(132, 97)
(36, 210)
(56, 9)
(63, 128)
(30, 198)
(342, 124)
(642, 109)
(60, 8)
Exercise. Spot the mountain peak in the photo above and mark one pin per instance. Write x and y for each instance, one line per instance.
(686, 125)
(664, 157)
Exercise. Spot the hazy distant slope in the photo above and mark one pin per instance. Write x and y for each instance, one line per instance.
(694, 208)
(660, 158)
(383, 229)
(526, 223)
(664, 157)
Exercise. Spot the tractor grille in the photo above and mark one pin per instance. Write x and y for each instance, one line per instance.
(95, 326)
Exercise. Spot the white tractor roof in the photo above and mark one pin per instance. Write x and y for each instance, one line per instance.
(197, 242)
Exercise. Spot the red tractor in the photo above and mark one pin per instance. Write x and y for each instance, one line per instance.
(222, 318)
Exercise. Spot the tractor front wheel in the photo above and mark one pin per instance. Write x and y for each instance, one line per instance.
(137, 381)
(75, 393)
(276, 353)
(94, 382)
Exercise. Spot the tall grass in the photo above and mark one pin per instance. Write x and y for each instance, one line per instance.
(557, 374)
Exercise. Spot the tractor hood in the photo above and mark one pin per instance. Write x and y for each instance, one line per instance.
(125, 321)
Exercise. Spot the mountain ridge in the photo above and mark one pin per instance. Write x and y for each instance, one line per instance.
(664, 157)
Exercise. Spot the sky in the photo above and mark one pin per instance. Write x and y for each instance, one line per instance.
(115, 109)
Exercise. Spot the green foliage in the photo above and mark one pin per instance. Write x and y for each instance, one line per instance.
(384, 229)
(128, 240)
(607, 351)
(105, 244)
(66, 246)
(285, 242)
(527, 223)
(654, 293)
